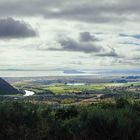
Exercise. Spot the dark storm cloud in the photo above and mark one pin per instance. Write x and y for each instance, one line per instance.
(72, 45)
(112, 53)
(85, 10)
(86, 37)
(10, 28)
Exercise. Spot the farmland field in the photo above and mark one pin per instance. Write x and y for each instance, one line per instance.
(63, 88)
(62, 92)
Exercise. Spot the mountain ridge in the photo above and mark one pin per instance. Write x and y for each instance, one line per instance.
(6, 88)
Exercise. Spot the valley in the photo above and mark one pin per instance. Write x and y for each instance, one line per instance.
(74, 89)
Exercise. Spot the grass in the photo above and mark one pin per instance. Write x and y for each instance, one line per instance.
(70, 89)
(78, 88)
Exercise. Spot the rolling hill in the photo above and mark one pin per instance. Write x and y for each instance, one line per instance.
(6, 88)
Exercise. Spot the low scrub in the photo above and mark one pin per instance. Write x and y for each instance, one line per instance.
(102, 121)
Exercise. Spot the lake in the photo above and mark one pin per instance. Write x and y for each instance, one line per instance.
(75, 84)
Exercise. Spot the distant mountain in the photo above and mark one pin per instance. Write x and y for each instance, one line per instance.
(73, 72)
(6, 88)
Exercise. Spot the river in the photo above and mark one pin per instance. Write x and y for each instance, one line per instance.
(29, 93)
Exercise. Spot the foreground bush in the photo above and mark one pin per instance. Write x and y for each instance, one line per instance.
(26, 121)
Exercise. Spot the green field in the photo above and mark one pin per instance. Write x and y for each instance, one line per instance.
(63, 88)
(70, 89)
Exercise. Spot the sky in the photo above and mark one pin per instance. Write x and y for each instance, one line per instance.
(69, 34)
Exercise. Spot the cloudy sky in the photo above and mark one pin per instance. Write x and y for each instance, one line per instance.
(73, 34)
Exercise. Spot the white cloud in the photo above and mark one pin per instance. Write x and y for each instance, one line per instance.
(101, 22)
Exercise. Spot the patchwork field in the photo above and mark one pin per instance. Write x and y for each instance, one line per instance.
(74, 90)
(64, 88)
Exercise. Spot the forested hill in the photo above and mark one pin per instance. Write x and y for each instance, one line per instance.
(6, 88)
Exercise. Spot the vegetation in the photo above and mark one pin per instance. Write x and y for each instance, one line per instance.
(75, 89)
(62, 88)
(102, 121)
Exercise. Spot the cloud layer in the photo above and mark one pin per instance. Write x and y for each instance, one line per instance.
(72, 45)
(99, 11)
(80, 34)
(111, 53)
(10, 28)
(87, 37)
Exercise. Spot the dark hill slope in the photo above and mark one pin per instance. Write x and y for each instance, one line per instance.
(6, 88)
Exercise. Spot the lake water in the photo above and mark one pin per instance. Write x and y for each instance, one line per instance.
(13, 73)
(35, 73)
(75, 84)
